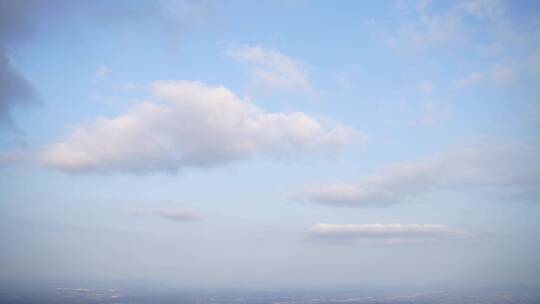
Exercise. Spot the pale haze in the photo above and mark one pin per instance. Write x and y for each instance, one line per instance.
(271, 144)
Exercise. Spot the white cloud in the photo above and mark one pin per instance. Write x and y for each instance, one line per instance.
(188, 12)
(272, 70)
(172, 214)
(344, 194)
(502, 75)
(190, 125)
(505, 172)
(470, 80)
(432, 114)
(421, 5)
(102, 71)
(425, 88)
(388, 233)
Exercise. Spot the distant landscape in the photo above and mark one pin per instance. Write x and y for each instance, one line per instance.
(145, 292)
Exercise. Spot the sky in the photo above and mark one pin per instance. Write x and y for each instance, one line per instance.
(271, 144)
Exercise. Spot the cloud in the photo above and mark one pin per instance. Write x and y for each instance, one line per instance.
(421, 5)
(344, 194)
(432, 114)
(425, 88)
(188, 11)
(425, 32)
(102, 71)
(470, 80)
(172, 214)
(507, 173)
(272, 70)
(16, 24)
(190, 124)
(502, 75)
(388, 233)
(484, 9)
(15, 90)
(420, 29)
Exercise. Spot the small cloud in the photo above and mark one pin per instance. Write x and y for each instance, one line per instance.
(127, 86)
(472, 79)
(188, 11)
(425, 88)
(421, 5)
(102, 71)
(272, 70)
(503, 76)
(344, 79)
(431, 115)
(422, 29)
(172, 214)
(484, 9)
(426, 32)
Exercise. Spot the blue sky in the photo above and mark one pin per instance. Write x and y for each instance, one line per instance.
(271, 143)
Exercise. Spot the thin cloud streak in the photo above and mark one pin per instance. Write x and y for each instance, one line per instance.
(171, 214)
(272, 70)
(388, 234)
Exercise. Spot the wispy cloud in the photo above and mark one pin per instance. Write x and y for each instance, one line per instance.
(423, 28)
(191, 125)
(470, 80)
(272, 70)
(426, 88)
(484, 9)
(507, 172)
(102, 71)
(503, 75)
(432, 114)
(426, 32)
(172, 214)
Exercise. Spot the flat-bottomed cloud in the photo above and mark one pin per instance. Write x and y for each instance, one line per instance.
(191, 125)
(388, 233)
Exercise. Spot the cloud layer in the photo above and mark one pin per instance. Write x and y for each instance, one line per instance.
(388, 233)
(172, 214)
(511, 173)
(190, 125)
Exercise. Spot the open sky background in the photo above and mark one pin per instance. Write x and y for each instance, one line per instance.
(271, 144)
